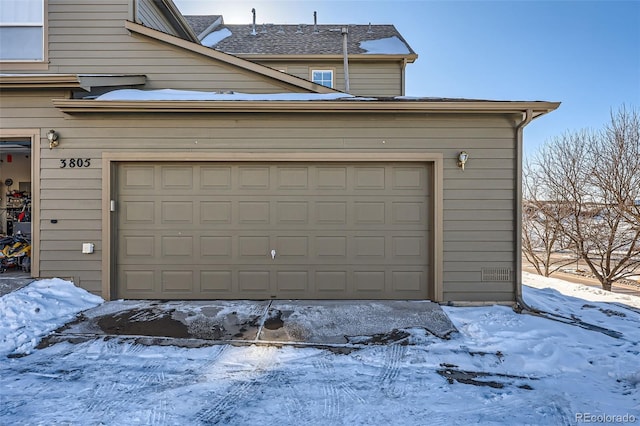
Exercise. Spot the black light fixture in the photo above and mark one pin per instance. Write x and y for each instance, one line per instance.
(53, 139)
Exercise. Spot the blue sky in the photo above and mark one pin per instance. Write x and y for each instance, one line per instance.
(585, 54)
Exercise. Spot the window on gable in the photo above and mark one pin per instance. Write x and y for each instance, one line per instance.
(324, 77)
(22, 30)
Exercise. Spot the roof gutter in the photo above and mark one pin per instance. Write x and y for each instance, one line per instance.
(537, 108)
(267, 57)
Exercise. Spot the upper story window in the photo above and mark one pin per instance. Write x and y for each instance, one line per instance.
(22, 30)
(324, 77)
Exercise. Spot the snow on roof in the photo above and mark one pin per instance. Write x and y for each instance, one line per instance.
(134, 95)
(215, 37)
(385, 46)
(191, 95)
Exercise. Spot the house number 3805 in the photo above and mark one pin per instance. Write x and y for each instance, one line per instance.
(72, 163)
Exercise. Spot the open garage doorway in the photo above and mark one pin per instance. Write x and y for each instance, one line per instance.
(15, 203)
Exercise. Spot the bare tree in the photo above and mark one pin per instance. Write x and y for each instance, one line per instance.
(618, 171)
(593, 176)
(617, 175)
(543, 243)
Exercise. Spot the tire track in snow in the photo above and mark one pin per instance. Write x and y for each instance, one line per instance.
(132, 348)
(157, 415)
(336, 392)
(132, 380)
(212, 361)
(331, 400)
(345, 388)
(224, 406)
(289, 398)
(135, 373)
(152, 378)
(390, 371)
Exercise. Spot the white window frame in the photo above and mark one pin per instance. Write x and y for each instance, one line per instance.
(323, 70)
(22, 63)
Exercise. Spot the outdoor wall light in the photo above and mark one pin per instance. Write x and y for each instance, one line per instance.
(462, 159)
(53, 139)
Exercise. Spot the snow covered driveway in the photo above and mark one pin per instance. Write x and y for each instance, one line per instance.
(501, 368)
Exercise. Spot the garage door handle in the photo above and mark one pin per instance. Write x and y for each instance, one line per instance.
(273, 254)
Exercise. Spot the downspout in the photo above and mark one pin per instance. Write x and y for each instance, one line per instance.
(345, 32)
(403, 67)
(528, 116)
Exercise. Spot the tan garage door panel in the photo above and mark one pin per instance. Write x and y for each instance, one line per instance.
(309, 230)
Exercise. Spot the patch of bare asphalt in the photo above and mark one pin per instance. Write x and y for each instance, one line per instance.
(159, 322)
(278, 327)
(143, 322)
(155, 325)
(481, 378)
(274, 320)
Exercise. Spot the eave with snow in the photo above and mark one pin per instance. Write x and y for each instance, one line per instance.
(189, 102)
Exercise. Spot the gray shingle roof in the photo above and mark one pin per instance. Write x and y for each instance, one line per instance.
(303, 39)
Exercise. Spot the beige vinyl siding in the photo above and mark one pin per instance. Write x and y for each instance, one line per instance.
(90, 38)
(375, 78)
(365, 78)
(73, 201)
(478, 203)
(150, 16)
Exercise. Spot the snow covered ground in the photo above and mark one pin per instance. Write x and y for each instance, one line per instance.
(502, 368)
(34, 311)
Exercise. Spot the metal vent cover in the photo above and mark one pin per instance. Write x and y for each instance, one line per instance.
(496, 274)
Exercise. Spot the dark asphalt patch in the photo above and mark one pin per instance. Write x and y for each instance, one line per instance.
(143, 322)
(481, 378)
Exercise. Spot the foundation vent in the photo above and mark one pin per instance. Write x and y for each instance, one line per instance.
(496, 274)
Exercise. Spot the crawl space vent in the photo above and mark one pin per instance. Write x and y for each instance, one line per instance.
(496, 274)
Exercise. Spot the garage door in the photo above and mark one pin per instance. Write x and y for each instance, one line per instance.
(273, 231)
